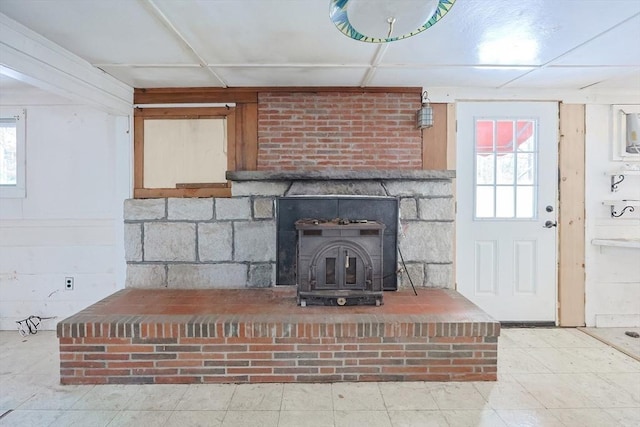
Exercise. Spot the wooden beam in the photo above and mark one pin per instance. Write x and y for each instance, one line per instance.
(571, 231)
(247, 137)
(181, 95)
(154, 193)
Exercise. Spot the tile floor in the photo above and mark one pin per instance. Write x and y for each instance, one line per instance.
(547, 377)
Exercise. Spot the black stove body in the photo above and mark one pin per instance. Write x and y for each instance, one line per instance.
(339, 261)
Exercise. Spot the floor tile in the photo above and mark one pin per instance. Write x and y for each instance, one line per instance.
(159, 397)
(606, 359)
(625, 417)
(524, 338)
(251, 419)
(518, 361)
(473, 418)
(307, 397)
(407, 396)
(195, 418)
(140, 418)
(84, 419)
(555, 391)
(306, 419)
(630, 382)
(362, 419)
(56, 397)
(30, 418)
(559, 360)
(17, 389)
(584, 417)
(458, 396)
(507, 395)
(417, 419)
(529, 418)
(567, 338)
(107, 396)
(206, 397)
(602, 392)
(257, 397)
(357, 397)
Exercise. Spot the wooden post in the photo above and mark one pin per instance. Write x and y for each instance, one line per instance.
(571, 231)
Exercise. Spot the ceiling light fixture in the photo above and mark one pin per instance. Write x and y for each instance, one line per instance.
(382, 21)
(424, 116)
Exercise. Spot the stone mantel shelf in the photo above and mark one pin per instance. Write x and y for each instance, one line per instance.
(342, 175)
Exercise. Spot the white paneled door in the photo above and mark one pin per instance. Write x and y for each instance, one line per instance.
(506, 219)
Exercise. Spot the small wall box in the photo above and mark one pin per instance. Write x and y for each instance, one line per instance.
(626, 131)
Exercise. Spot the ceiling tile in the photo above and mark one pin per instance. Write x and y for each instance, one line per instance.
(292, 76)
(568, 77)
(101, 32)
(508, 32)
(620, 46)
(265, 32)
(446, 76)
(626, 81)
(147, 77)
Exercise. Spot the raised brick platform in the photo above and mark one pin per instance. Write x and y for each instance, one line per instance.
(156, 336)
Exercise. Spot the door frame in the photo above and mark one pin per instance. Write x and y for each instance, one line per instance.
(571, 207)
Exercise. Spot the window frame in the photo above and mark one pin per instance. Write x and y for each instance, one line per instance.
(222, 189)
(19, 190)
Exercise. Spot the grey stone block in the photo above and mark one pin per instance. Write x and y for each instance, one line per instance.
(263, 208)
(133, 242)
(323, 188)
(166, 241)
(416, 271)
(207, 276)
(436, 209)
(233, 208)
(261, 275)
(429, 242)
(215, 241)
(144, 209)
(190, 209)
(408, 208)
(146, 276)
(255, 241)
(259, 188)
(440, 276)
(419, 188)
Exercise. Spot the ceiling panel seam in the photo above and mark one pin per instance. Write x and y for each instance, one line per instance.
(155, 11)
(589, 40)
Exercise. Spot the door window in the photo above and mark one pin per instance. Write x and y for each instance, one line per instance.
(506, 155)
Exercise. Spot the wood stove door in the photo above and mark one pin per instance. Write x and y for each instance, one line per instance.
(340, 267)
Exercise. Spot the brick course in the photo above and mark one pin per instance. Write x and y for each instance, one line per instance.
(313, 131)
(155, 349)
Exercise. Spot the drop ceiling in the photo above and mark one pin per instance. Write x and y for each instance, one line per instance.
(513, 44)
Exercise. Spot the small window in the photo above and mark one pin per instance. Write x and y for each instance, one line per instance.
(12, 153)
(183, 152)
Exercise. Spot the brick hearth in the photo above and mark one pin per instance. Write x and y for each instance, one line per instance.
(139, 336)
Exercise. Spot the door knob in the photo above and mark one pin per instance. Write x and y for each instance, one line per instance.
(549, 224)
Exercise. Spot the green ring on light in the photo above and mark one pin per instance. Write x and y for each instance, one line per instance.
(338, 15)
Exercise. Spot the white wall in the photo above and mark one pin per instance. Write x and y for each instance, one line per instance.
(612, 273)
(70, 224)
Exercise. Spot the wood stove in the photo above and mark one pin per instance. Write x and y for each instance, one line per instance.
(339, 261)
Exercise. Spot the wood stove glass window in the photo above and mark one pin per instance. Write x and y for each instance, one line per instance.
(350, 270)
(330, 271)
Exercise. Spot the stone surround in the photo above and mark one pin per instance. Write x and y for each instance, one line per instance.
(212, 243)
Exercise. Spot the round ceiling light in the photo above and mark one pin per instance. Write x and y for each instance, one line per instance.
(381, 21)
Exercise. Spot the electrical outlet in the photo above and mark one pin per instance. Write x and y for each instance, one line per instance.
(68, 283)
